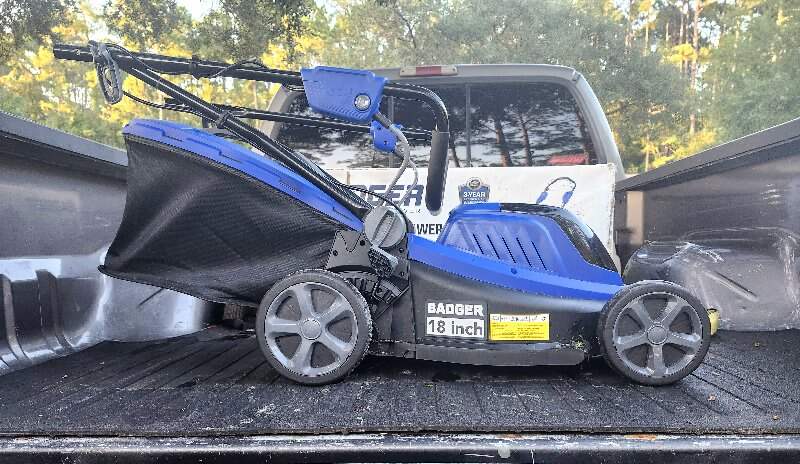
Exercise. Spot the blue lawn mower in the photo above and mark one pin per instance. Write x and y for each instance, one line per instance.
(334, 277)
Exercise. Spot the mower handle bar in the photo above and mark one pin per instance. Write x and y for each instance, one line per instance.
(437, 165)
(299, 120)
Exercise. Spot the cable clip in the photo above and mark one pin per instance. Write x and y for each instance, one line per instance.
(383, 138)
(222, 119)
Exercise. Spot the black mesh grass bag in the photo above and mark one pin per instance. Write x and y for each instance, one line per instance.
(210, 231)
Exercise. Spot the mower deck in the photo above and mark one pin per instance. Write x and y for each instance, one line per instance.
(217, 383)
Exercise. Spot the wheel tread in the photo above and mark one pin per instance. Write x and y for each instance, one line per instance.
(623, 297)
(350, 364)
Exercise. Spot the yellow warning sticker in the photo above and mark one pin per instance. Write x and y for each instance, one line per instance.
(519, 327)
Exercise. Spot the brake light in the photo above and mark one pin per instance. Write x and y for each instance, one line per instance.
(568, 159)
(426, 71)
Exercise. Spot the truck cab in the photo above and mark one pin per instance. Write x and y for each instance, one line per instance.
(519, 115)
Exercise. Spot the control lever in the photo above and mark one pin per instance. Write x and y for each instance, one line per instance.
(108, 75)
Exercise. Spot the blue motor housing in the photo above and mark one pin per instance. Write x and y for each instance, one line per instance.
(537, 237)
(348, 94)
(537, 250)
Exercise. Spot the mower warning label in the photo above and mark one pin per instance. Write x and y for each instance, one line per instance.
(452, 319)
(519, 327)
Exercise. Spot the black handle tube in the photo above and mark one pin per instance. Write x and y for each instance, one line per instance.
(297, 119)
(204, 68)
(323, 123)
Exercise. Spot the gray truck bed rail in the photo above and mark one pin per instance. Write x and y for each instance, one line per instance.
(61, 201)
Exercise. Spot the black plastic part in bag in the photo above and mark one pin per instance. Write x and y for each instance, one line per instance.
(210, 231)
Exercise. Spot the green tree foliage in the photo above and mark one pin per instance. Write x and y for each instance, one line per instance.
(26, 21)
(753, 78)
(144, 23)
(381, 33)
(64, 94)
(674, 76)
(56, 93)
(642, 95)
(242, 29)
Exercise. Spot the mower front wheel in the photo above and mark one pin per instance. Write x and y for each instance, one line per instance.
(654, 332)
(314, 327)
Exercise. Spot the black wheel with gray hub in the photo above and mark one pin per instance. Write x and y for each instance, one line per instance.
(654, 332)
(314, 327)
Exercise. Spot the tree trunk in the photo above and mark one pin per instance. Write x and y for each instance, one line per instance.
(453, 156)
(681, 39)
(698, 9)
(629, 33)
(526, 141)
(502, 143)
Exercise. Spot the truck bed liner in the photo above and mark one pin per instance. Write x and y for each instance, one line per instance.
(216, 382)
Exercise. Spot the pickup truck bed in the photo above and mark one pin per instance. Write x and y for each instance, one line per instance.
(216, 382)
(210, 395)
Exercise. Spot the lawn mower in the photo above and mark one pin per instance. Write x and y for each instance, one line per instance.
(335, 277)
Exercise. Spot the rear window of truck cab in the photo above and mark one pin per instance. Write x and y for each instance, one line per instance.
(514, 124)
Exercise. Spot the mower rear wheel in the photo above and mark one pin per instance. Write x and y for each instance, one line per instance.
(314, 327)
(654, 332)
